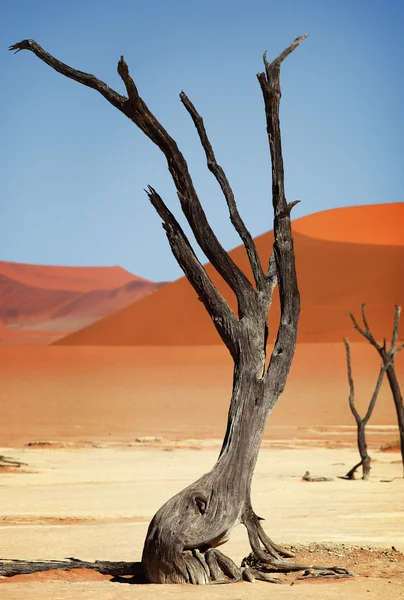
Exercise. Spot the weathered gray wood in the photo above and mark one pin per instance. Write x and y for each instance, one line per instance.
(9, 568)
(180, 545)
(387, 355)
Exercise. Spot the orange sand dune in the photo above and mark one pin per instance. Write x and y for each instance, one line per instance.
(375, 224)
(95, 393)
(334, 277)
(79, 279)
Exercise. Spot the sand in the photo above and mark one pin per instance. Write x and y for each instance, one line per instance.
(90, 489)
(366, 224)
(85, 393)
(96, 504)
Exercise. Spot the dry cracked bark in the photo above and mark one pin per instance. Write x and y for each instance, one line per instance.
(181, 543)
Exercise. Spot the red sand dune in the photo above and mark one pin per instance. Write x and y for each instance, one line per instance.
(80, 279)
(345, 256)
(35, 313)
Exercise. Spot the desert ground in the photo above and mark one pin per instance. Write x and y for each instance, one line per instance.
(95, 502)
(108, 434)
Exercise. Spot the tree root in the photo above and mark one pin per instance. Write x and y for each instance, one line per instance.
(270, 559)
(216, 567)
(211, 566)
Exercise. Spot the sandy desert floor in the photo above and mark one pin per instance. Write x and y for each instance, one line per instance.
(95, 502)
(67, 393)
(91, 490)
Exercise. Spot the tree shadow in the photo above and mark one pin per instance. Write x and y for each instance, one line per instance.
(137, 578)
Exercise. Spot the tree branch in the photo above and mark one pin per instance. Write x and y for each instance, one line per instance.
(221, 178)
(277, 62)
(351, 383)
(394, 338)
(383, 369)
(84, 78)
(220, 312)
(284, 348)
(366, 333)
(136, 110)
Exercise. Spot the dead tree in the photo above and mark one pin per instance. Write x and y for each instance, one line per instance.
(361, 422)
(181, 542)
(387, 355)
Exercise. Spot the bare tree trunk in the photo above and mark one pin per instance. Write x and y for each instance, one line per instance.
(387, 355)
(181, 543)
(363, 452)
(398, 403)
(361, 422)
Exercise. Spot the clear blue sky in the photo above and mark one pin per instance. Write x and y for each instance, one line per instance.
(73, 169)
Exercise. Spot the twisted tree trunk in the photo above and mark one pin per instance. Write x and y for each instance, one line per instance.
(202, 516)
(181, 543)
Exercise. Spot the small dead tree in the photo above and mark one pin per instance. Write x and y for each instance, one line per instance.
(361, 422)
(181, 543)
(387, 355)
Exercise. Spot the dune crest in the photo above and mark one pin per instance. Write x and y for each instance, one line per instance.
(39, 304)
(335, 276)
(79, 279)
(375, 224)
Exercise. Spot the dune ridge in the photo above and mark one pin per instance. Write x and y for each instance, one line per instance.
(31, 312)
(335, 276)
(80, 279)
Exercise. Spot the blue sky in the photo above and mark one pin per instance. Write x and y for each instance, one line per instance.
(73, 169)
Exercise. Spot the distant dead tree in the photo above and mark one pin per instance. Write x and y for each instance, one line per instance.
(182, 539)
(387, 355)
(361, 422)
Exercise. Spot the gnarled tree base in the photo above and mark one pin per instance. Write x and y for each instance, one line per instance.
(181, 544)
